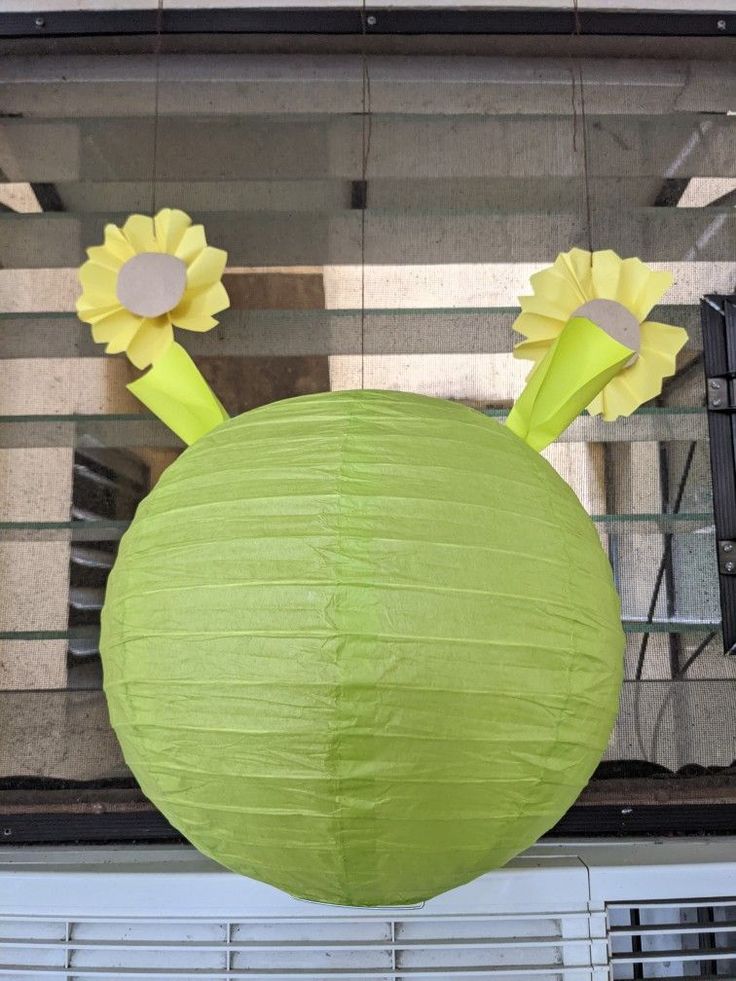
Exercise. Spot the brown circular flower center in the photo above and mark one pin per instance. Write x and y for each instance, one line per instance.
(616, 320)
(151, 283)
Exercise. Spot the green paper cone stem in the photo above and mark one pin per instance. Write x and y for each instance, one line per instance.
(175, 391)
(580, 363)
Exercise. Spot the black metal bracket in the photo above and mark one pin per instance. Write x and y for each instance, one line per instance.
(718, 317)
(353, 19)
(727, 558)
(720, 394)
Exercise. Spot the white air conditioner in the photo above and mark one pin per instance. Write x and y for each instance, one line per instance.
(627, 909)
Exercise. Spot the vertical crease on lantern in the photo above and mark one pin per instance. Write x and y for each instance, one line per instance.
(339, 649)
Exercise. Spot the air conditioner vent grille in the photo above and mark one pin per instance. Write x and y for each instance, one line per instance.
(542, 947)
(678, 939)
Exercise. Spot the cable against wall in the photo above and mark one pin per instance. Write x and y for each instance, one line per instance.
(156, 88)
(366, 120)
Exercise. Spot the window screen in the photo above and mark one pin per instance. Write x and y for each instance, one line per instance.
(383, 207)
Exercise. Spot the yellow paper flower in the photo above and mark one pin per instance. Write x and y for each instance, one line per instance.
(576, 278)
(150, 276)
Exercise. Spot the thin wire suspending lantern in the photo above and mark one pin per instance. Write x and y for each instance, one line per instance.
(366, 646)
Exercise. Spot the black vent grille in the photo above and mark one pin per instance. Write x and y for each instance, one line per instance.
(684, 939)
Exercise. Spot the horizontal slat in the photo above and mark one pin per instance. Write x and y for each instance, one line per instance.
(550, 970)
(104, 530)
(138, 430)
(285, 147)
(71, 633)
(235, 85)
(670, 626)
(444, 286)
(505, 194)
(269, 333)
(86, 598)
(715, 927)
(642, 626)
(666, 235)
(674, 903)
(425, 194)
(700, 976)
(369, 916)
(67, 531)
(677, 955)
(519, 944)
(83, 648)
(92, 558)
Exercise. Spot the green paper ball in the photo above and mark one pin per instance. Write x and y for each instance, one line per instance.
(363, 646)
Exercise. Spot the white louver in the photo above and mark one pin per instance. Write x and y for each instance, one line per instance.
(585, 912)
(379, 948)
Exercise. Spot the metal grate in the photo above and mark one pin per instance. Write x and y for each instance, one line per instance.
(676, 939)
(312, 949)
(106, 485)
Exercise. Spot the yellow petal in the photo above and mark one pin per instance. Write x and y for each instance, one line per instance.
(656, 285)
(98, 280)
(633, 276)
(91, 312)
(194, 321)
(208, 301)
(639, 383)
(151, 340)
(102, 256)
(207, 268)
(192, 243)
(559, 291)
(117, 244)
(577, 266)
(615, 400)
(109, 326)
(619, 399)
(170, 224)
(663, 338)
(122, 338)
(643, 380)
(596, 406)
(536, 327)
(547, 306)
(138, 230)
(605, 274)
(532, 350)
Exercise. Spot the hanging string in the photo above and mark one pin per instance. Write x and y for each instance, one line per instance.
(586, 173)
(156, 87)
(578, 83)
(365, 153)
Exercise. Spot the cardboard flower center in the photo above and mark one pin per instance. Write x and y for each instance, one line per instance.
(151, 283)
(616, 320)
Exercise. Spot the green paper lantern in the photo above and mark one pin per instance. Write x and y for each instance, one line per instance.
(363, 646)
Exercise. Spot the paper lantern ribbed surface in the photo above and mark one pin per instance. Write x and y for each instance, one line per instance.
(363, 646)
